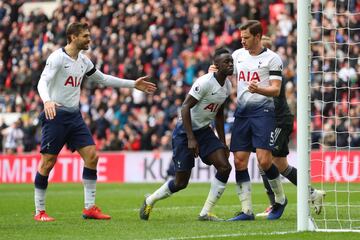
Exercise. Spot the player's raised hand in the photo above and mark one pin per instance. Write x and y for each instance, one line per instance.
(253, 86)
(212, 68)
(144, 85)
(193, 146)
(50, 109)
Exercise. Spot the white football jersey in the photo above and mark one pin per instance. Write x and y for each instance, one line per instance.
(207, 90)
(262, 68)
(65, 77)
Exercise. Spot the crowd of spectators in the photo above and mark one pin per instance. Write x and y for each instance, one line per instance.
(335, 74)
(172, 41)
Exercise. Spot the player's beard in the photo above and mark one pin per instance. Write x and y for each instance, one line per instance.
(84, 46)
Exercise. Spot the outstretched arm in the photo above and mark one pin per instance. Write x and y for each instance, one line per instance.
(144, 85)
(141, 83)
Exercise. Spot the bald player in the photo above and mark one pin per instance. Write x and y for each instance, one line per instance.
(193, 137)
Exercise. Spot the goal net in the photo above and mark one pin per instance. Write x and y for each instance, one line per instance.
(335, 112)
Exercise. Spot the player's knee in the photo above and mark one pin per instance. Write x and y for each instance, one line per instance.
(265, 164)
(264, 159)
(225, 169)
(280, 163)
(241, 160)
(179, 185)
(240, 164)
(46, 165)
(93, 160)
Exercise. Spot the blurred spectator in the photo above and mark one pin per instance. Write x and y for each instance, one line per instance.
(101, 125)
(335, 74)
(13, 137)
(113, 143)
(29, 131)
(2, 127)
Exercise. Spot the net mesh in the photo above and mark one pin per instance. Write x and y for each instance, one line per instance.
(335, 111)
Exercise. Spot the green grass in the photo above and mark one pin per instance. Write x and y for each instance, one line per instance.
(173, 218)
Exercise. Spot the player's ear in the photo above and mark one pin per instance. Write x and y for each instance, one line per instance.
(258, 36)
(72, 37)
(216, 63)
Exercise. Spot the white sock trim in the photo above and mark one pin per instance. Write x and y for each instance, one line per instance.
(217, 188)
(278, 190)
(161, 193)
(39, 198)
(89, 192)
(244, 193)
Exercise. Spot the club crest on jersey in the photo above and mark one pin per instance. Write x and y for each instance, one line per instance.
(197, 89)
(73, 81)
(249, 76)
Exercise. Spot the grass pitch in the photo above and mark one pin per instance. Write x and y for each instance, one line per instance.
(173, 218)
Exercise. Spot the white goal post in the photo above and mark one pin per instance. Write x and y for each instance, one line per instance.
(303, 113)
(341, 208)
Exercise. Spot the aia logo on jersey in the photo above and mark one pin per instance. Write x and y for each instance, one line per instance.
(249, 76)
(73, 81)
(213, 107)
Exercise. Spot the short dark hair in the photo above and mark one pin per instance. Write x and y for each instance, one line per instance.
(220, 51)
(254, 27)
(75, 29)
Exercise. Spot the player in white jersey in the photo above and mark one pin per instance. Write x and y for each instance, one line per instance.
(62, 123)
(258, 77)
(284, 127)
(193, 137)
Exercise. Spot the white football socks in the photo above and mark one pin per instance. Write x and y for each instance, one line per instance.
(244, 193)
(216, 190)
(39, 200)
(89, 192)
(160, 193)
(278, 190)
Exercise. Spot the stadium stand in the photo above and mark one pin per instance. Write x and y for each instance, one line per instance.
(172, 42)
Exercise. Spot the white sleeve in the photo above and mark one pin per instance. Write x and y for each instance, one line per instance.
(235, 56)
(275, 68)
(199, 89)
(51, 68)
(108, 80)
(229, 86)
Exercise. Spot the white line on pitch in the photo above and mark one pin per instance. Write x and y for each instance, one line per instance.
(227, 235)
(196, 207)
